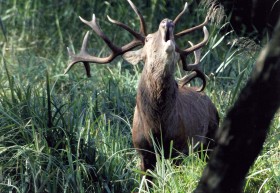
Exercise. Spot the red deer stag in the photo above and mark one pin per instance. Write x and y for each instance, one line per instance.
(164, 110)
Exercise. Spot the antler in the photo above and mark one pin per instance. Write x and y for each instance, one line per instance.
(197, 46)
(196, 71)
(184, 53)
(86, 58)
(180, 14)
(194, 48)
(186, 31)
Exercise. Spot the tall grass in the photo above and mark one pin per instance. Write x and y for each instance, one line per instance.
(69, 133)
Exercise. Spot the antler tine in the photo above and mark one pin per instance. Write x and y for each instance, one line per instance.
(195, 65)
(127, 28)
(77, 58)
(199, 45)
(189, 77)
(142, 21)
(180, 14)
(99, 32)
(184, 32)
(195, 47)
(140, 36)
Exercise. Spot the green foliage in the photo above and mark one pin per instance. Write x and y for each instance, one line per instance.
(69, 133)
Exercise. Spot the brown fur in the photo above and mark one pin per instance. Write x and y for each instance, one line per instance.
(164, 110)
(181, 115)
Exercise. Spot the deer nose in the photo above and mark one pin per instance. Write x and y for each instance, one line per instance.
(167, 23)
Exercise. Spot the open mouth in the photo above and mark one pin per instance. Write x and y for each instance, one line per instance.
(167, 35)
(166, 27)
(168, 32)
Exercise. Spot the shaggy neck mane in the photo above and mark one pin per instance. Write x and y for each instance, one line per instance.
(156, 97)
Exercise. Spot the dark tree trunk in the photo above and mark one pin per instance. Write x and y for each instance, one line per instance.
(241, 137)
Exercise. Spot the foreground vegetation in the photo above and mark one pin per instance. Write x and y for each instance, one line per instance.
(69, 133)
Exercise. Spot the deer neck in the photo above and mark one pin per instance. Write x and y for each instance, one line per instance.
(157, 93)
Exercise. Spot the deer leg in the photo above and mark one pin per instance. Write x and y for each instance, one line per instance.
(148, 162)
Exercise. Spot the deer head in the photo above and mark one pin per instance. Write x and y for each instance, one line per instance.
(160, 51)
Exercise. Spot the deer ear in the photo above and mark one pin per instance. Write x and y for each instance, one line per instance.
(133, 57)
